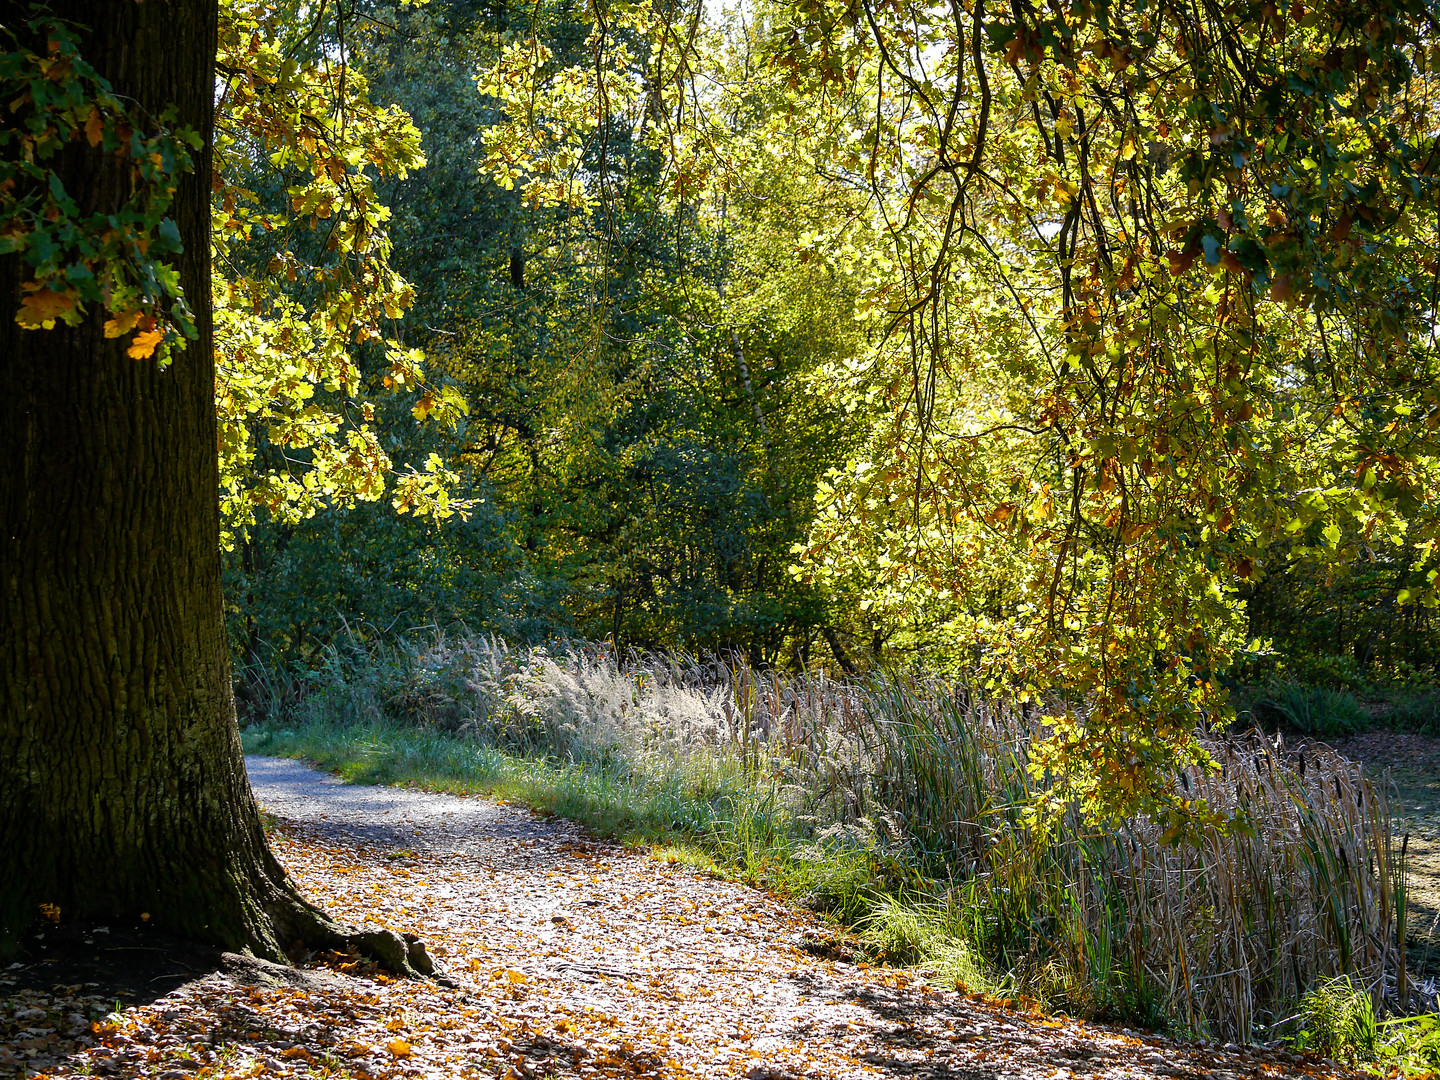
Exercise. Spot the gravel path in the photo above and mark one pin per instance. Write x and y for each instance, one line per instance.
(391, 819)
(573, 958)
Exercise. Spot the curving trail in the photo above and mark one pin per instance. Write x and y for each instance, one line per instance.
(580, 959)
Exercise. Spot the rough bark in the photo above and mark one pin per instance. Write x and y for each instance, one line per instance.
(122, 787)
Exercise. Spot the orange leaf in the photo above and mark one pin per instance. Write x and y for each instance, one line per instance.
(1180, 261)
(94, 128)
(42, 308)
(144, 345)
(123, 323)
(398, 1047)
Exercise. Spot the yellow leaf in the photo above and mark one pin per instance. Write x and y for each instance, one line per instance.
(398, 1047)
(144, 344)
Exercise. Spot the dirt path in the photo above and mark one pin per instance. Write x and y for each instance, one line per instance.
(573, 959)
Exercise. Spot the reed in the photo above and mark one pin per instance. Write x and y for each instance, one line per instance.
(1224, 937)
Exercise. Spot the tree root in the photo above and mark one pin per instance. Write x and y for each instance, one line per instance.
(399, 954)
(293, 919)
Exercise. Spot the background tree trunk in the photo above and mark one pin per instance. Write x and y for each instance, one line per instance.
(122, 787)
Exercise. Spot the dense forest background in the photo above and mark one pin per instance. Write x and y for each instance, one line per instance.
(650, 390)
(887, 453)
(673, 401)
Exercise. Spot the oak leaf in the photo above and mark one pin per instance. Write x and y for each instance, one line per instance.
(40, 309)
(144, 344)
(94, 127)
(122, 323)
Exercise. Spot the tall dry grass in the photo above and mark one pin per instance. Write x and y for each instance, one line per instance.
(1222, 937)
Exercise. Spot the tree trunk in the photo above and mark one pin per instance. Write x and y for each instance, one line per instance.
(122, 787)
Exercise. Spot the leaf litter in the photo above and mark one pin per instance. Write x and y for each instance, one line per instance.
(568, 957)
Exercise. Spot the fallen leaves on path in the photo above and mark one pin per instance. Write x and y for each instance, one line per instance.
(572, 959)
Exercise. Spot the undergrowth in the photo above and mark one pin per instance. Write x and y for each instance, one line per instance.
(898, 806)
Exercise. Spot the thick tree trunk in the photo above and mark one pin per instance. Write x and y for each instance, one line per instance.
(122, 787)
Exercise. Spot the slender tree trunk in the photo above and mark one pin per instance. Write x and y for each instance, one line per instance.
(122, 787)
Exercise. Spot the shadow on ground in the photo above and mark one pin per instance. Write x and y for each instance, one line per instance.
(130, 965)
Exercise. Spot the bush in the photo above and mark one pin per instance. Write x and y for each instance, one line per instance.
(1312, 710)
(1418, 712)
(1325, 669)
(1402, 677)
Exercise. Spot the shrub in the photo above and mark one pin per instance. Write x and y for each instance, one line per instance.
(1325, 669)
(1417, 712)
(1312, 710)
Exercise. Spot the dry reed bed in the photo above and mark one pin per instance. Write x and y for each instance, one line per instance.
(1222, 936)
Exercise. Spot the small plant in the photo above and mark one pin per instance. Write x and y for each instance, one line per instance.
(1410, 1044)
(1337, 1019)
(895, 932)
